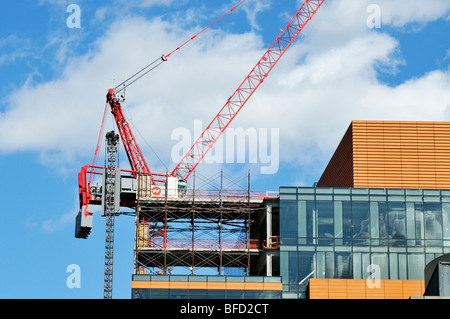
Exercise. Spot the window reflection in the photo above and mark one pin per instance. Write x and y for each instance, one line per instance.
(341, 237)
(397, 224)
(360, 224)
(325, 219)
(433, 223)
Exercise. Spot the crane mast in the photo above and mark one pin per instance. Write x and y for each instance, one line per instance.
(110, 208)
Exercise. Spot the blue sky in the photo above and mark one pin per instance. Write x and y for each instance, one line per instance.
(54, 81)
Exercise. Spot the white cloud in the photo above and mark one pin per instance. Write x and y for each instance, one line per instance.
(312, 101)
(14, 48)
(400, 13)
(253, 7)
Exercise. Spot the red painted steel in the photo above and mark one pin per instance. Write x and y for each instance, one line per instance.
(240, 97)
(220, 122)
(134, 154)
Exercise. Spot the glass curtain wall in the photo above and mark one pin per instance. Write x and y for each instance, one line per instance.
(358, 233)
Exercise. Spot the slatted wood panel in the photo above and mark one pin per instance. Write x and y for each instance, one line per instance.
(389, 154)
(392, 154)
(206, 285)
(339, 172)
(358, 289)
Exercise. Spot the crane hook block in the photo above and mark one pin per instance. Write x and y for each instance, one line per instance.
(164, 57)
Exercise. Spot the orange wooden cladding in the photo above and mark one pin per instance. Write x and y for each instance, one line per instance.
(206, 285)
(391, 154)
(358, 289)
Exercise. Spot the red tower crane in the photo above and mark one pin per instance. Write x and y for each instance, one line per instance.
(201, 146)
(220, 122)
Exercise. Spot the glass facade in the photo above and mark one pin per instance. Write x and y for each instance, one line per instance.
(354, 233)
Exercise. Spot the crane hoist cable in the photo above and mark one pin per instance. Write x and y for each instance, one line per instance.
(148, 68)
(145, 70)
(153, 65)
(193, 37)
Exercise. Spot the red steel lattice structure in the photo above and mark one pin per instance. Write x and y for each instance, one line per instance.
(220, 122)
(240, 97)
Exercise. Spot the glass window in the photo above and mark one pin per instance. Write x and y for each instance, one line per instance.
(374, 217)
(377, 191)
(284, 267)
(381, 260)
(306, 190)
(320, 271)
(288, 219)
(293, 267)
(253, 294)
(357, 268)
(433, 223)
(402, 267)
(311, 228)
(235, 294)
(288, 189)
(410, 226)
(417, 192)
(347, 222)
(361, 225)
(305, 264)
(420, 228)
(363, 191)
(324, 190)
(396, 191)
(416, 266)
(270, 294)
(325, 220)
(397, 224)
(216, 294)
(365, 265)
(433, 192)
(302, 220)
(446, 220)
(338, 231)
(329, 265)
(288, 197)
(343, 191)
(197, 293)
(382, 213)
(343, 265)
(159, 293)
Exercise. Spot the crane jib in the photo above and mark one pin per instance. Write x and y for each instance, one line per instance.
(240, 97)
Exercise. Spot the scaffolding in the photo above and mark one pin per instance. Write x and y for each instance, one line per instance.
(198, 231)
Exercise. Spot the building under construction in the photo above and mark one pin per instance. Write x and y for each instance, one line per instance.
(379, 214)
(193, 230)
(327, 241)
(204, 232)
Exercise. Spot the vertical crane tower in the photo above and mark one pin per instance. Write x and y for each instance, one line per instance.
(202, 145)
